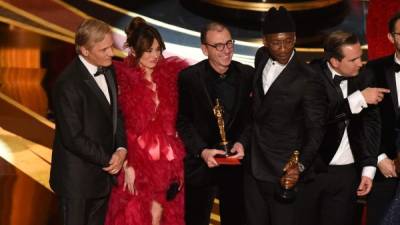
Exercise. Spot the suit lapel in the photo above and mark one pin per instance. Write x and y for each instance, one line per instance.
(278, 84)
(260, 102)
(332, 92)
(391, 82)
(338, 95)
(282, 77)
(328, 74)
(113, 96)
(239, 82)
(257, 84)
(94, 88)
(204, 93)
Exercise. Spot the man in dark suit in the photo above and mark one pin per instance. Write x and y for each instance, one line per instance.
(288, 114)
(386, 72)
(88, 129)
(199, 87)
(351, 140)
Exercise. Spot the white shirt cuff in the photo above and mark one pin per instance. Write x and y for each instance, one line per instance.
(357, 102)
(121, 149)
(381, 157)
(369, 171)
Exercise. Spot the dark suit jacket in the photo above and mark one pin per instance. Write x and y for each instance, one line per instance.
(290, 116)
(196, 123)
(363, 128)
(88, 129)
(382, 72)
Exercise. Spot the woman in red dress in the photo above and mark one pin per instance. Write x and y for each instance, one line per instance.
(148, 98)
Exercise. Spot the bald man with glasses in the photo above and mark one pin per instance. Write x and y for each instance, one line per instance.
(217, 77)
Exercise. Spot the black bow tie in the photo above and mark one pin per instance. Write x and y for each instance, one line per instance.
(396, 67)
(101, 71)
(337, 79)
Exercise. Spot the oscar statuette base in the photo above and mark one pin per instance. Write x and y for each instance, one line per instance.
(225, 159)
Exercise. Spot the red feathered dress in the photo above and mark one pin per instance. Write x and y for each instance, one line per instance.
(154, 149)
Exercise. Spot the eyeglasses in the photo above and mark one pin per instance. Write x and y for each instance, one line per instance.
(394, 33)
(220, 46)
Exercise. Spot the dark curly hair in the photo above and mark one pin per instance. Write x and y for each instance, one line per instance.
(140, 37)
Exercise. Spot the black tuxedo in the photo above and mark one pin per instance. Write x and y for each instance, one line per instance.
(363, 129)
(290, 116)
(331, 196)
(382, 72)
(88, 130)
(197, 127)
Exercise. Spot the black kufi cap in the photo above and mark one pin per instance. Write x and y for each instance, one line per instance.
(278, 21)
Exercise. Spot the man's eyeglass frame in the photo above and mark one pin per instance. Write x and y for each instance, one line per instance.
(220, 46)
(395, 33)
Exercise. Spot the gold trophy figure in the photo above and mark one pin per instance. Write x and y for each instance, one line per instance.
(219, 115)
(288, 185)
(224, 144)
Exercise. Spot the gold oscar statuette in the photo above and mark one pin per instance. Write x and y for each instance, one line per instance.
(288, 189)
(224, 144)
(219, 115)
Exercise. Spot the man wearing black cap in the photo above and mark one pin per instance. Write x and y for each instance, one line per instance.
(289, 113)
(349, 148)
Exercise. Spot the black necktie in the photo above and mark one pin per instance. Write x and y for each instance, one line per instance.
(101, 71)
(396, 67)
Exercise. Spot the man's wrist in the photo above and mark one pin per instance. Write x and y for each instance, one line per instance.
(199, 155)
(368, 171)
(357, 102)
(121, 149)
(382, 157)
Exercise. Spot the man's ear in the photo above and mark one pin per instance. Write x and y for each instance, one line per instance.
(204, 49)
(334, 62)
(265, 41)
(84, 51)
(390, 37)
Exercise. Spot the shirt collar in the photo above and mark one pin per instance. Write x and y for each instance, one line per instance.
(279, 64)
(396, 60)
(90, 67)
(215, 74)
(333, 71)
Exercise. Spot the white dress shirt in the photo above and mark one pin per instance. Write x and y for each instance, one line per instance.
(344, 155)
(100, 79)
(271, 71)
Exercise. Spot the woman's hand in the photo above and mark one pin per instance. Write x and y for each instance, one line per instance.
(129, 181)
